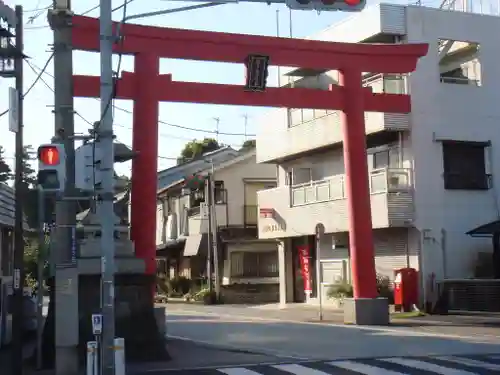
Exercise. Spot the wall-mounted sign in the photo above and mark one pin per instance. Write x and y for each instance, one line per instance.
(273, 228)
(266, 213)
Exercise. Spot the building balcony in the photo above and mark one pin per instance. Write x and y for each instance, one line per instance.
(295, 210)
(284, 134)
(197, 218)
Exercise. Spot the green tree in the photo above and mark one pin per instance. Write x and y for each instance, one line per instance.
(251, 143)
(28, 173)
(196, 148)
(5, 171)
(30, 257)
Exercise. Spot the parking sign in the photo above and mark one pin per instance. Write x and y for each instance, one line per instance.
(97, 324)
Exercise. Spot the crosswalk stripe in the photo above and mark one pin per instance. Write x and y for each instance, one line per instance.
(299, 370)
(421, 365)
(471, 362)
(238, 371)
(363, 368)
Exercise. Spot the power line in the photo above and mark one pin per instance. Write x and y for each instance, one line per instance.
(31, 19)
(42, 71)
(89, 122)
(124, 5)
(169, 123)
(169, 136)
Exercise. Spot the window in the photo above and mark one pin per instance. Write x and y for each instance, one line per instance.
(464, 166)
(301, 176)
(388, 158)
(254, 264)
(219, 192)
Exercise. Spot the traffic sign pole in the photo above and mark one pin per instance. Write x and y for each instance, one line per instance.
(320, 233)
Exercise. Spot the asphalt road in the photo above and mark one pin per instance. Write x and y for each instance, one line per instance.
(224, 328)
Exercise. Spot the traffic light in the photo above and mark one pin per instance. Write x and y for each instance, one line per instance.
(52, 167)
(328, 5)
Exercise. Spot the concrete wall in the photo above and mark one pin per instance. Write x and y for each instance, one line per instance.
(454, 112)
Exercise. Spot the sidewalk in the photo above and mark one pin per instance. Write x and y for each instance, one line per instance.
(6, 358)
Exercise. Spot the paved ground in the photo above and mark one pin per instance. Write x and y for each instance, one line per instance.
(450, 365)
(483, 325)
(252, 340)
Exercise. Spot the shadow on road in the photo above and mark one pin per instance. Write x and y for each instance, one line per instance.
(324, 341)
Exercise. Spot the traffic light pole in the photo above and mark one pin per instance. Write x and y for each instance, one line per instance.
(66, 272)
(105, 210)
(18, 279)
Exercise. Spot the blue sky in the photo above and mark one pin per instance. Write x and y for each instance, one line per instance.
(243, 18)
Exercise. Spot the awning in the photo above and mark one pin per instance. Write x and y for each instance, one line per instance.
(485, 230)
(170, 248)
(192, 246)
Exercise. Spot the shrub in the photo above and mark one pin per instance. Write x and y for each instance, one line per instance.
(340, 290)
(205, 295)
(384, 288)
(344, 290)
(180, 285)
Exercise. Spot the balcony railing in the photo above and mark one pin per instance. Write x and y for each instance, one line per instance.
(386, 83)
(333, 188)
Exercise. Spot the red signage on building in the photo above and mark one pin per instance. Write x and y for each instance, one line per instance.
(266, 213)
(305, 266)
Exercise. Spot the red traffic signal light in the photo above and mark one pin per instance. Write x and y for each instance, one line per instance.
(327, 5)
(49, 155)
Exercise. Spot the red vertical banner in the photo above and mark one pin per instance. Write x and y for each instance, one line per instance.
(305, 266)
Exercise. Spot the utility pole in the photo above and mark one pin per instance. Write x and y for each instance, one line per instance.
(105, 211)
(217, 122)
(208, 200)
(213, 219)
(245, 117)
(66, 272)
(18, 282)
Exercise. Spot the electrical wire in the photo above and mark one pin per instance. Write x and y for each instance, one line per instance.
(124, 110)
(110, 102)
(125, 3)
(78, 114)
(81, 14)
(38, 78)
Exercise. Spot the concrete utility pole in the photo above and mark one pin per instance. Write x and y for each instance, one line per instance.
(217, 122)
(213, 219)
(18, 284)
(208, 200)
(105, 211)
(66, 272)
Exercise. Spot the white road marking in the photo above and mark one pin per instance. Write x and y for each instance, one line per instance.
(238, 371)
(299, 370)
(470, 362)
(364, 369)
(421, 365)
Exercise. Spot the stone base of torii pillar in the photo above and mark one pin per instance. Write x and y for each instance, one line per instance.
(136, 319)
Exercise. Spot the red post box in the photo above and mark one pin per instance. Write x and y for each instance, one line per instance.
(405, 289)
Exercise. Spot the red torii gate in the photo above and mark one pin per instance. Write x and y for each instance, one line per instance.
(146, 87)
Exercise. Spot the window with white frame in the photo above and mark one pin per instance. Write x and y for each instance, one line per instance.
(384, 158)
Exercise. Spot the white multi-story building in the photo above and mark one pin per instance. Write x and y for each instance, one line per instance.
(434, 173)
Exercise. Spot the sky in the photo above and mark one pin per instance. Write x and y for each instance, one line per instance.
(244, 18)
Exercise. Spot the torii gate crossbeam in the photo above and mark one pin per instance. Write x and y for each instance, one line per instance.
(146, 87)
